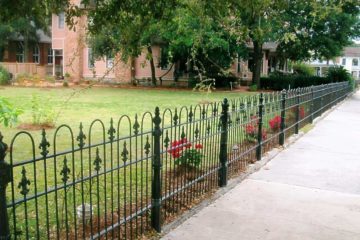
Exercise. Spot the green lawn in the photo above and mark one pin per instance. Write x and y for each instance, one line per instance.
(102, 103)
(86, 106)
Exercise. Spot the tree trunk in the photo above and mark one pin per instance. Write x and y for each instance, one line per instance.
(2, 50)
(152, 66)
(26, 49)
(258, 57)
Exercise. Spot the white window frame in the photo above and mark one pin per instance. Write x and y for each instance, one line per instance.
(355, 60)
(19, 55)
(109, 61)
(36, 54)
(61, 20)
(343, 62)
(91, 63)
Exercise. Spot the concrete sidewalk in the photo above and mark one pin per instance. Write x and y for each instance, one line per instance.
(311, 190)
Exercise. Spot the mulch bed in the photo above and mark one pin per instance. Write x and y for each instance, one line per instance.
(30, 126)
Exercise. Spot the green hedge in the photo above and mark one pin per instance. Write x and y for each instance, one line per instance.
(292, 81)
(280, 81)
(4, 76)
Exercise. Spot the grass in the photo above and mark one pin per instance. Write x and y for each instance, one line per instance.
(86, 106)
(102, 103)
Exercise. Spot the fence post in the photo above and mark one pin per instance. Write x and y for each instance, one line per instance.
(322, 101)
(297, 111)
(282, 124)
(312, 105)
(156, 176)
(223, 144)
(260, 126)
(5, 178)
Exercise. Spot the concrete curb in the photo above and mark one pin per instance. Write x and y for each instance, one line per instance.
(235, 181)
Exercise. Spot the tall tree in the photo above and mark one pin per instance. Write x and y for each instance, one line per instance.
(21, 19)
(197, 33)
(302, 28)
(125, 27)
(323, 33)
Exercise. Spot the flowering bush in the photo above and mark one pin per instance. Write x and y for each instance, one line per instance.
(251, 131)
(185, 154)
(274, 123)
(291, 115)
(302, 112)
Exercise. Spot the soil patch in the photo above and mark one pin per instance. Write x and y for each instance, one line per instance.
(30, 126)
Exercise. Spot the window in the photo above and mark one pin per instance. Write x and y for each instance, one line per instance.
(36, 54)
(61, 20)
(109, 61)
(318, 71)
(251, 64)
(20, 52)
(50, 56)
(354, 73)
(90, 58)
(343, 62)
(239, 64)
(355, 62)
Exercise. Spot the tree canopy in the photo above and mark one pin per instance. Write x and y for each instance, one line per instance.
(24, 18)
(302, 28)
(210, 33)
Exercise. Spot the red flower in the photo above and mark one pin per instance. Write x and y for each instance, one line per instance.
(175, 154)
(302, 112)
(275, 123)
(250, 129)
(264, 135)
(199, 146)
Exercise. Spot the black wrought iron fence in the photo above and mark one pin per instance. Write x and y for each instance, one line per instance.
(136, 174)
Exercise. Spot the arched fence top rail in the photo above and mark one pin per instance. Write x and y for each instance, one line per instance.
(120, 178)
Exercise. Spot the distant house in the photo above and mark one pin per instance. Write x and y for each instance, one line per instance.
(271, 63)
(76, 59)
(350, 60)
(39, 56)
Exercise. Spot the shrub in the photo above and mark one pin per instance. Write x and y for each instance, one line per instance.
(274, 123)
(253, 88)
(251, 130)
(22, 77)
(338, 74)
(41, 111)
(8, 113)
(65, 83)
(185, 154)
(5, 76)
(50, 79)
(303, 69)
(192, 82)
(280, 82)
(224, 81)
